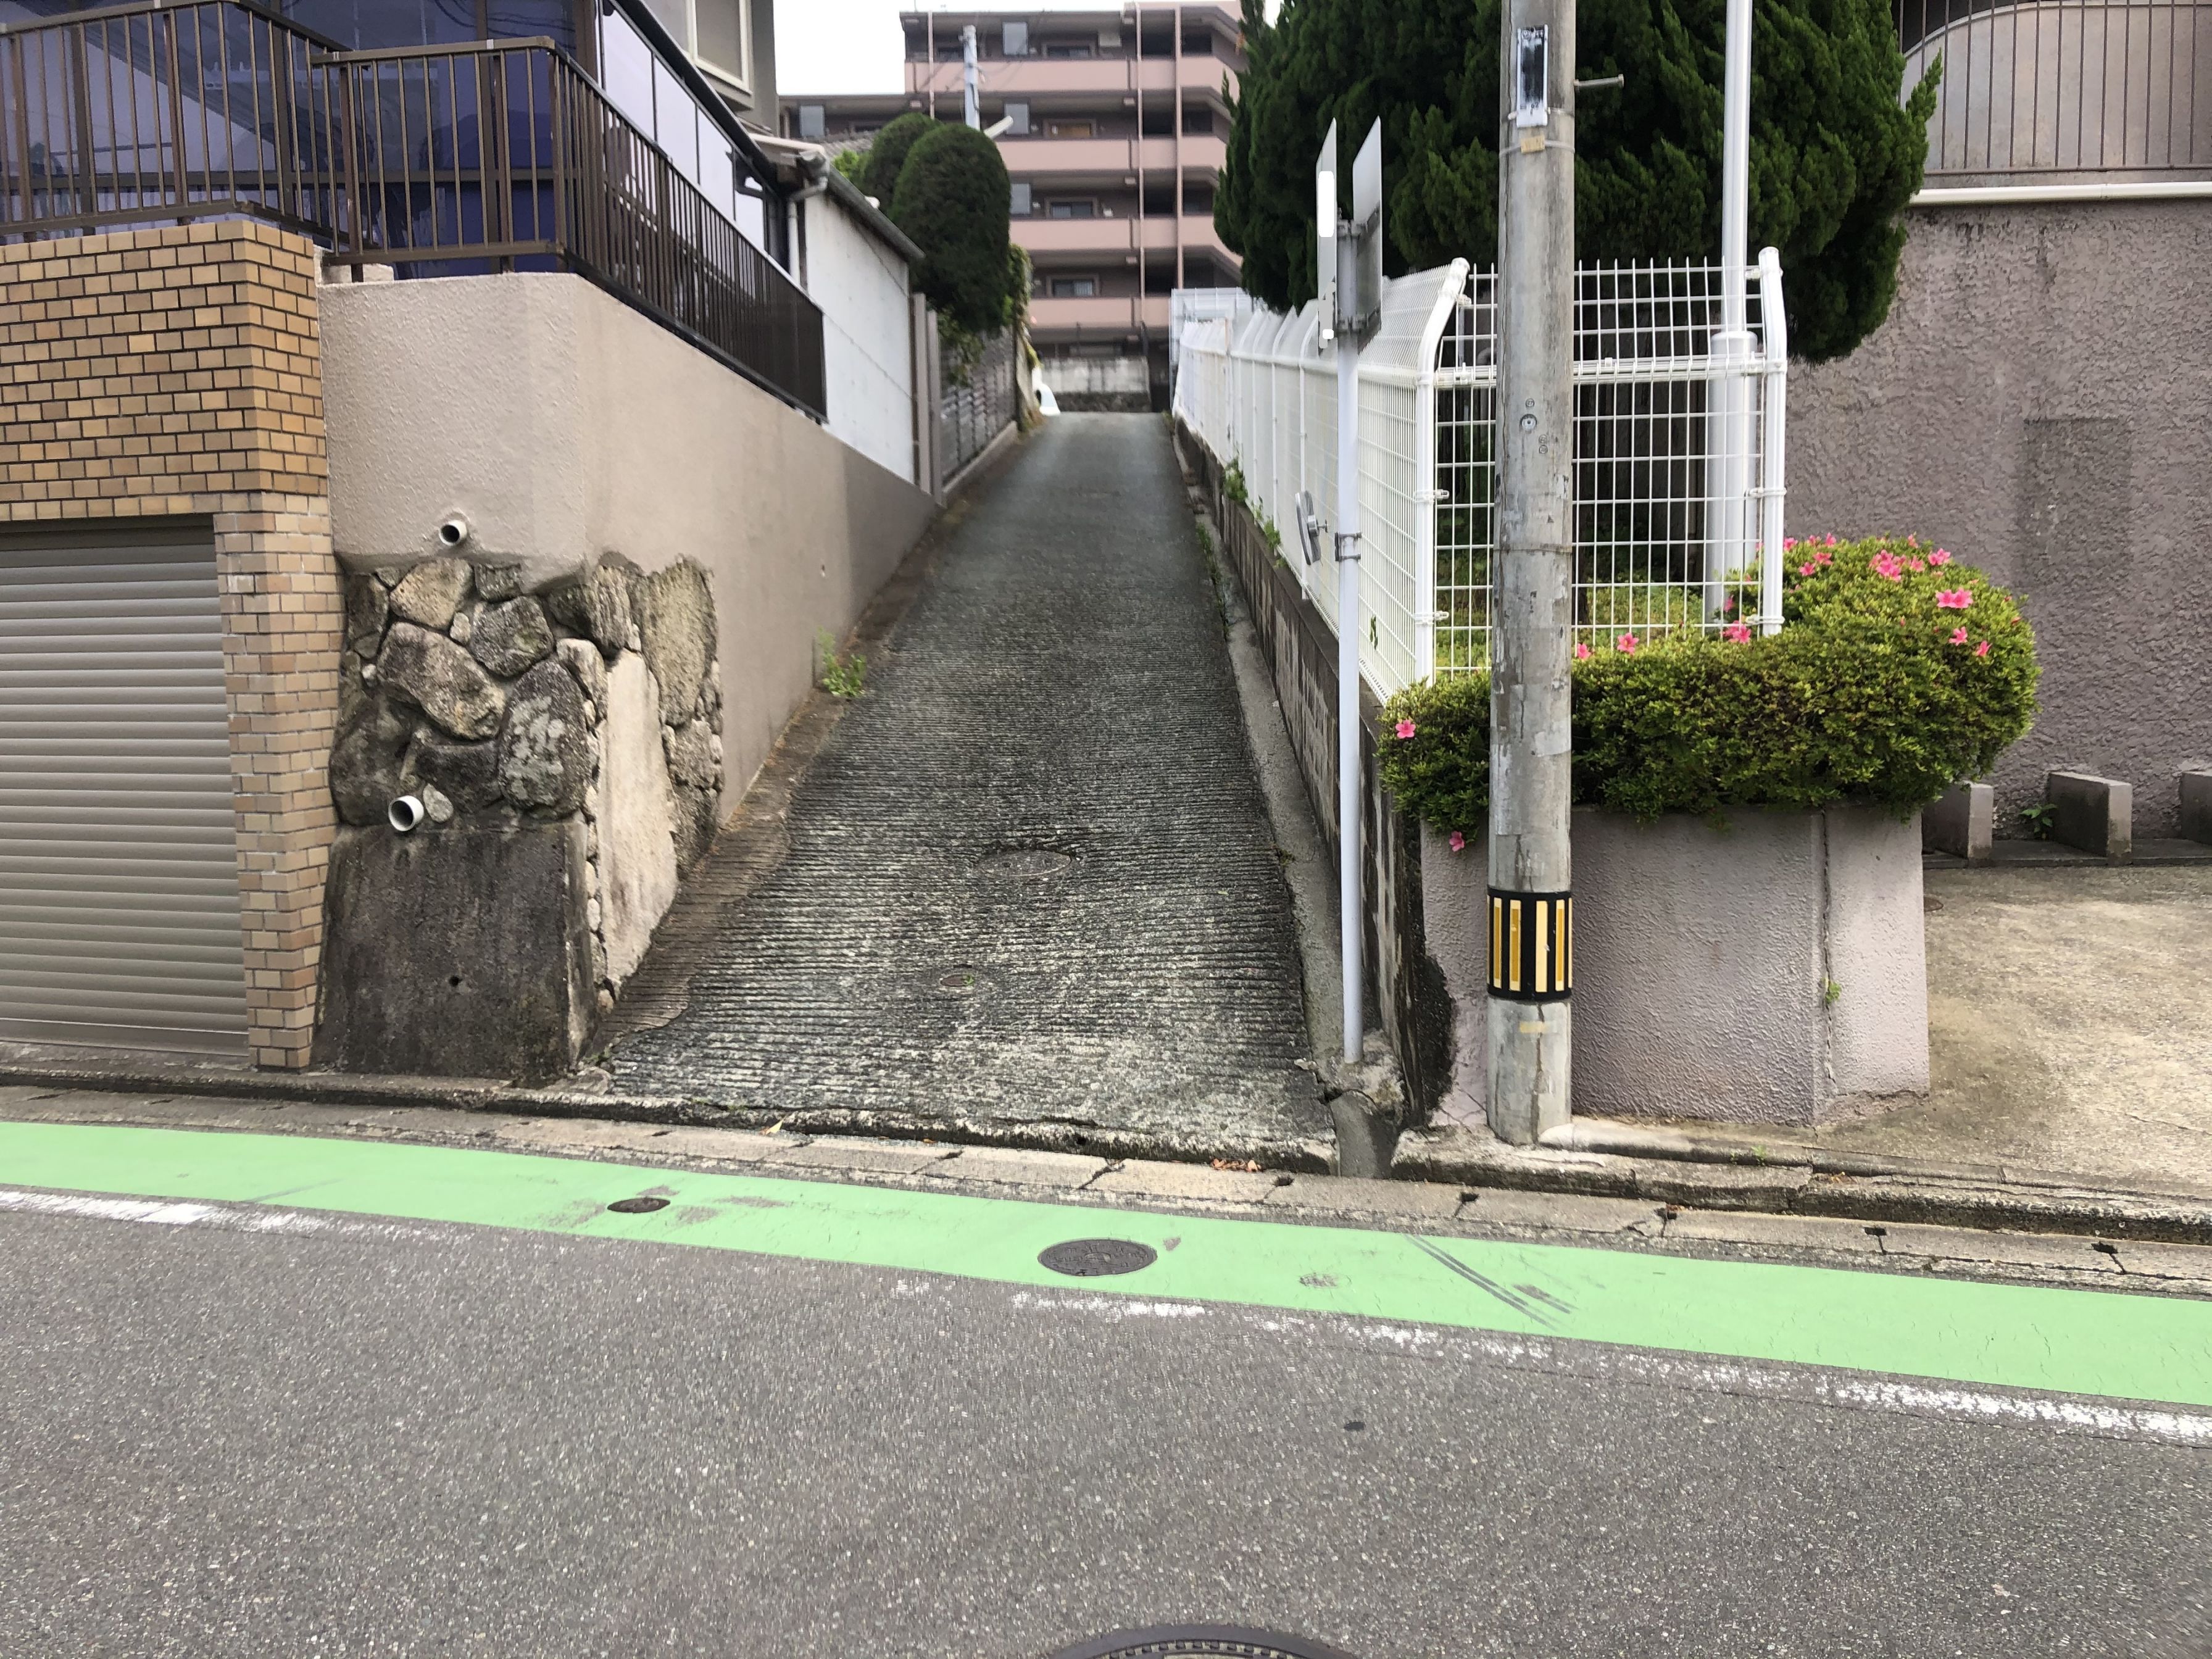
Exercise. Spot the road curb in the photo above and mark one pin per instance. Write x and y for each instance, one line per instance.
(1722, 1174)
(1714, 1174)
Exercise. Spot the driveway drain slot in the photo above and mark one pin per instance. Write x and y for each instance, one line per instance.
(1199, 1642)
(1099, 1258)
(637, 1206)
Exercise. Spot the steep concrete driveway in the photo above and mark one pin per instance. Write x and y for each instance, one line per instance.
(1029, 876)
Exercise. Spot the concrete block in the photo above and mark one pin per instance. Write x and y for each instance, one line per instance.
(2196, 805)
(1794, 1232)
(1701, 950)
(1142, 1178)
(1358, 1195)
(1963, 823)
(2094, 814)
(1995, 1249)
(831, 1154)
(458, 952)
(1015, 1166)
(1572, 1212)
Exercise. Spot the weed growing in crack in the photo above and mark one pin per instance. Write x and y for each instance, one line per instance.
(842, 676)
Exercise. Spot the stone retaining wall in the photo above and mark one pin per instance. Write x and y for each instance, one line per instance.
(565, 746)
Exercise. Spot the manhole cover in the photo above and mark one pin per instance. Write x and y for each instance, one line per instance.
(1098, 1258)
(1028, 863)
(1199, 1642)
(637, 1206)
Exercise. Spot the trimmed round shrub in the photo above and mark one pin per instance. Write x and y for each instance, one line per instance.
(879, 171)
(954, 201)
(1898, 671)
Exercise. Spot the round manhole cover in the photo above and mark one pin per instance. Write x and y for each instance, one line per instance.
(1028, 863)
(1099, 1258)
(1199, 1642)
(644, 1205)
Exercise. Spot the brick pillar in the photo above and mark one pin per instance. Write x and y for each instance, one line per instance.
(178, 373)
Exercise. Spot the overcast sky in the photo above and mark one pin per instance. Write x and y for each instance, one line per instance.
(855, 45)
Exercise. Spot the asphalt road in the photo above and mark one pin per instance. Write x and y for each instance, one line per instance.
(379, 1437)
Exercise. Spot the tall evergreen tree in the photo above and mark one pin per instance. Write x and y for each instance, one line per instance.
(953, 200)
(1833, 156)
(887, 153)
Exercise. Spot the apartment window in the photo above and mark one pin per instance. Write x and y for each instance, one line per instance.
(1018, 120)
(1071, 129)
(1014, 39)
(1074, 208)
(1198, 198)
(1197, 118)
(1198, 43)
(1019, 194)
(1074, 287)
(724, 31)
(810, 121)
(1157, 121)
(1070, 49)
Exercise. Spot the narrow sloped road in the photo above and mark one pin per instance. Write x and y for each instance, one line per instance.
(1030, 877)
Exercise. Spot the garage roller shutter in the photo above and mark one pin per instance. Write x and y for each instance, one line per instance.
(119, 856)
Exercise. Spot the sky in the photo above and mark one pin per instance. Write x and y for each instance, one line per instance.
(855, 46)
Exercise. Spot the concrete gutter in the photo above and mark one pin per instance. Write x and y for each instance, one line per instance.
(1748, 1178)
(1720, 1171)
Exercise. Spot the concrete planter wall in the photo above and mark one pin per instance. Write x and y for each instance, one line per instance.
(1769, 967)
(1704, 949)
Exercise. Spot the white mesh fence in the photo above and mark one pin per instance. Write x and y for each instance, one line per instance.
(1678, 454)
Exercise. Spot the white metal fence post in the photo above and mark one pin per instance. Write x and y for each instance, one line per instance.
(1774, 325)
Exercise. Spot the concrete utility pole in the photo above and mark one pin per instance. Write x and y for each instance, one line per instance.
(1729, 541)
(974, 116)
(1531, 915)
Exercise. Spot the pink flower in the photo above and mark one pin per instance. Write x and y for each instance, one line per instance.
(1958, 636)
(1806, 569)
(1939, 557)
(1833, 542)
(1913, 541)
(1458, 841)
(1887, 564)
(1982, 649)
(1581, 651)
(1824, 557)
(1626, 645)
(1917, 564)
(1404, 729)
(1956, 598)
(1789, 541)
(1736, 631)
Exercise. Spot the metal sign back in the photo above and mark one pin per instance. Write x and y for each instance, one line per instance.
(1325, 232)
(1364, 305)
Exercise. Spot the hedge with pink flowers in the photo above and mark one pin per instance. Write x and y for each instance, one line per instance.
(1898, 671)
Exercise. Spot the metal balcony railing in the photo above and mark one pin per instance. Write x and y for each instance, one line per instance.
(497, 156)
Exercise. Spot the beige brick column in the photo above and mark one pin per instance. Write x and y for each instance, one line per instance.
(178, 373)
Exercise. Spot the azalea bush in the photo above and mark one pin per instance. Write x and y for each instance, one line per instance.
(1898, 671)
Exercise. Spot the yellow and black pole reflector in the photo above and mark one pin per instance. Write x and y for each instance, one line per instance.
(1532, 946)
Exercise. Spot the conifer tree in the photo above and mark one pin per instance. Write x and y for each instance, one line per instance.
(1834, 158)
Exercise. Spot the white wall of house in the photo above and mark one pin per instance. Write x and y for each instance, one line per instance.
(862, 284)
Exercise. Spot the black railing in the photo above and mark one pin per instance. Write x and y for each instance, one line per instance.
(446, 160)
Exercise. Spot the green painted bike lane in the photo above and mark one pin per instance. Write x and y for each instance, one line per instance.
(2079, 1342)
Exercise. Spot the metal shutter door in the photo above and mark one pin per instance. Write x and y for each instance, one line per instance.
(118, 851)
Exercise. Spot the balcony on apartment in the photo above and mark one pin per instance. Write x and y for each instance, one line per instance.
(447, 160)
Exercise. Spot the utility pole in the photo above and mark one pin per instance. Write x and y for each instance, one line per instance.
(974, 107)
(1532, 616)
(1348, 271)
(1729, 538)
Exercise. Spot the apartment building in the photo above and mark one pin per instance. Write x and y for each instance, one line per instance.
(1114, 125)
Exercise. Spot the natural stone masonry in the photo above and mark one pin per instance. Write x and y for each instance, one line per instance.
(494, 707)
(177, 372)
(1029, 874)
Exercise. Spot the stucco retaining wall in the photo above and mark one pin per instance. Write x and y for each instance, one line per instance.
(2039, 401)
(1705, 950)
(564, 426)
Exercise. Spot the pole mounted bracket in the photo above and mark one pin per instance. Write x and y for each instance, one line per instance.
(1347, 546)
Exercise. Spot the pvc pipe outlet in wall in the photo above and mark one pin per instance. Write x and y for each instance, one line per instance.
(454, 532)
(405, 812)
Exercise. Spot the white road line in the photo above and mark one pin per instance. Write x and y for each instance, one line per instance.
(174, 1213)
